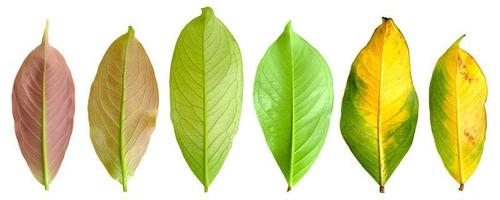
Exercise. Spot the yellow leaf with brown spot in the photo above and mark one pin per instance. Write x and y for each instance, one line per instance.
(457, 95)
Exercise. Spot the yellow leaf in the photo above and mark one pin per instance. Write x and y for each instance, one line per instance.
(380, 105)
(457, 95)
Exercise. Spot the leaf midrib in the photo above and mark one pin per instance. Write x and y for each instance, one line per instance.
(123, 167)
(45, 169)
(289, 32)
(379, 123)
(457, 125)
(205, 134)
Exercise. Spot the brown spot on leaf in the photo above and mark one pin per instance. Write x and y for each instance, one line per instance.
(470, 138)
(466, 76)
(463, 72)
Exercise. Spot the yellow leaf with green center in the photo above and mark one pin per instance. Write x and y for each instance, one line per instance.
(380, 105)
(457, 95)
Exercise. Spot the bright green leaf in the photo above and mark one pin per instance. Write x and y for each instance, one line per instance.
(293, 97)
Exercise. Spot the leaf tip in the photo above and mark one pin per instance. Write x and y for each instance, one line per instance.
(388, 22)
(461, 188)
(207, 11)
(288, 27)
(457, 42)
(205, 188)
(386, 19)
(45, 32)
(289, 188)
(131, 31)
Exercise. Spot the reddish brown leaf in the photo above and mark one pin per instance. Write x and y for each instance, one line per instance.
(43, 105)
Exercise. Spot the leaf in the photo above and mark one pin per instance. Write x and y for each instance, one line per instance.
(123, 105)
(293, 97)
(457, 95)
(206, 84)
(380, 105)
(43, 105)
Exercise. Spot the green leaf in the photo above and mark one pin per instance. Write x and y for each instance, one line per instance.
(380, 105)
(206, 85)
(123, 105)
(293, 97)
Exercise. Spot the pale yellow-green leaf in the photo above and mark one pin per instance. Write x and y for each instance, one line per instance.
(206, 85)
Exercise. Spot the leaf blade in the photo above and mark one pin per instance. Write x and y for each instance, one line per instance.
(457, 94)
(284, 100)
(205, 89)
(380, 106)
(120, 134)
(43, 107)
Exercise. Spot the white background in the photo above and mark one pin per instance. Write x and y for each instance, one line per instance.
(83, 30)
